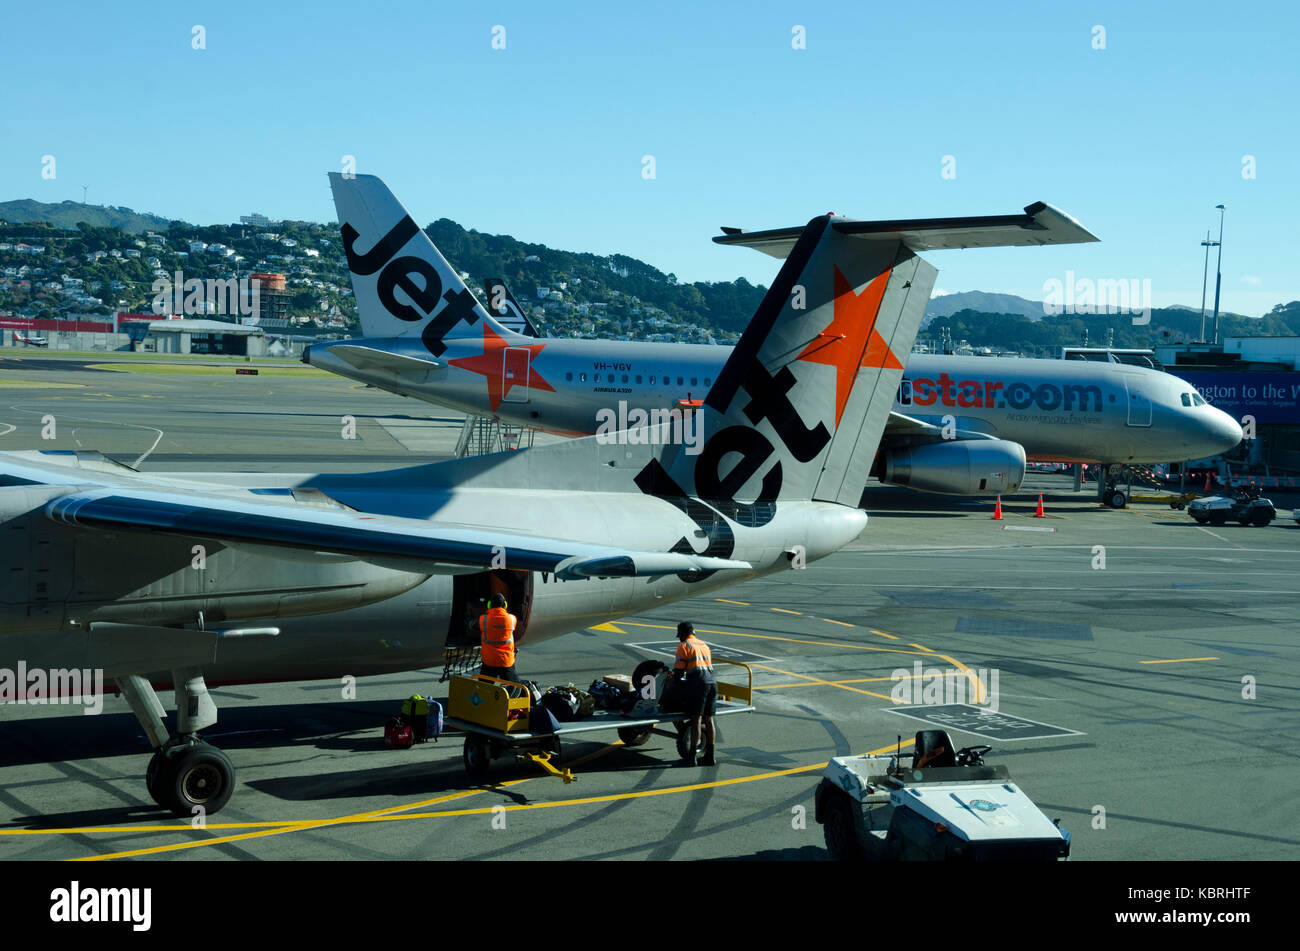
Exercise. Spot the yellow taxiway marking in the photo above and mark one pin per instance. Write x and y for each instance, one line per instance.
(280, 829)
(727, 601)
(840, 623)
(892, 637)
(1179, 660)
(818, 682)
(610, 628)
(855, 680)
(786, 611)
(977, 687)
(400, 813)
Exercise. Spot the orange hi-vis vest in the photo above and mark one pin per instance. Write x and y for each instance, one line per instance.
(498, 629)
(693, 655)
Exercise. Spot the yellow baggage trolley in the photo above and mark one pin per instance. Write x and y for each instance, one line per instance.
(494, 715)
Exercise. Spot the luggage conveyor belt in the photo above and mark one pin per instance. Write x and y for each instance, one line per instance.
(496, 723)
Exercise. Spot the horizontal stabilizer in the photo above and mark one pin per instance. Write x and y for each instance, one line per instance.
(1040, 224)
(370, 358)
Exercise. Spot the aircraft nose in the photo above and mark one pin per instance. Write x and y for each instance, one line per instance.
(1223, 430)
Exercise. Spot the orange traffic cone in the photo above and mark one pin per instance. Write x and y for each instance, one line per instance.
(997, 510)
(1039, 513)
(1207, 483)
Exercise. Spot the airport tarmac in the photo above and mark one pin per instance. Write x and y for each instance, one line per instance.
(1145, 670)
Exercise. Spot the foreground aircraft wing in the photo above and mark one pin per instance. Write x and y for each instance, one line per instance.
(1040, 224)
(311, 528)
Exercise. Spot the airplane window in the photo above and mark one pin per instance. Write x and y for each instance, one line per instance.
(680, 381)
(708, 381)
(652, 381)
(582, 378)
(1187, 399)
(611, 378)
(624, 377)
(695, 381)
(638, 377)
(568, 377)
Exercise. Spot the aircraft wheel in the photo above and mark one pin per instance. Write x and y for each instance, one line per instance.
(647, 668)
(151, 780)
(1218, 518)
(634, 735)
(199, 776)
(838, 829)
(478, 757)
(1200, 518)
(1116, 499)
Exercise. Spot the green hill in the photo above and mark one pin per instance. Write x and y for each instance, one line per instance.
(66, 214)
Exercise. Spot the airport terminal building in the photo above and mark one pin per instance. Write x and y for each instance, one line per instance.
(1250, 378)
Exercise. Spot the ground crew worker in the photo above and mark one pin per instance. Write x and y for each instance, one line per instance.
(694, 667)
(497, 630)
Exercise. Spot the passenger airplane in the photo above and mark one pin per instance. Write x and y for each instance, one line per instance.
(196, 579)
(30, 340)
(959, 425)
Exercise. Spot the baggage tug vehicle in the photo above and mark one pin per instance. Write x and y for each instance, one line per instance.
(946, 806)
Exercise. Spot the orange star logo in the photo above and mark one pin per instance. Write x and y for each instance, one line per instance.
(495, 362)
(851, 340)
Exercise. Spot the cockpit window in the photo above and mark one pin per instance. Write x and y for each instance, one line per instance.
(1187, 399)
(1196, 398)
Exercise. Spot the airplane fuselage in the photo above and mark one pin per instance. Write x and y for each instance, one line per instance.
(1065, 411)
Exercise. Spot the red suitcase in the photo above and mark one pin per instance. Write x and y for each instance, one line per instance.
(398, 736)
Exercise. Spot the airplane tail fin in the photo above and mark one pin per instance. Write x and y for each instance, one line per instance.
(799, 408)
(502, 305)
(403, 285)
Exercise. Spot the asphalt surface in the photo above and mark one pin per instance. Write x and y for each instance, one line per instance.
(1145, 671)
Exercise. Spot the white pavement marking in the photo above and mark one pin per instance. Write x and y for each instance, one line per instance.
(1218, 536)
(136, 464)
(11, 428)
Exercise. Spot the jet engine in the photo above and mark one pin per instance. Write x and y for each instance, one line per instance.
(957, 467)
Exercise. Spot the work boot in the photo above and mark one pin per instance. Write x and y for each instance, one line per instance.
(708, 757)
(689, 761)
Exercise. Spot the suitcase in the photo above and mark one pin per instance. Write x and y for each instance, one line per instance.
(398, 735)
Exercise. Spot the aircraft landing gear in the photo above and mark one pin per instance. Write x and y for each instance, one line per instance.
(186, 773)
(1108, 488)
(190, 774)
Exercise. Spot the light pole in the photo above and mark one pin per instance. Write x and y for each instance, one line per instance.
(1207, 244)
(1218, 273)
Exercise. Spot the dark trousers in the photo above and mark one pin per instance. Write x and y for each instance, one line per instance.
(501, 673)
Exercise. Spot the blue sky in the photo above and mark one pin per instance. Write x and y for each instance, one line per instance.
(545, 139)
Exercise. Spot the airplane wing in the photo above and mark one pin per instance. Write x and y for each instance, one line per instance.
(903, 427)
(1040, 224)
(426, 545)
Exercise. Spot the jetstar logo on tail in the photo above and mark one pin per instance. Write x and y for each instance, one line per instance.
(397, 275)
(502, 372)
(851, 341)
